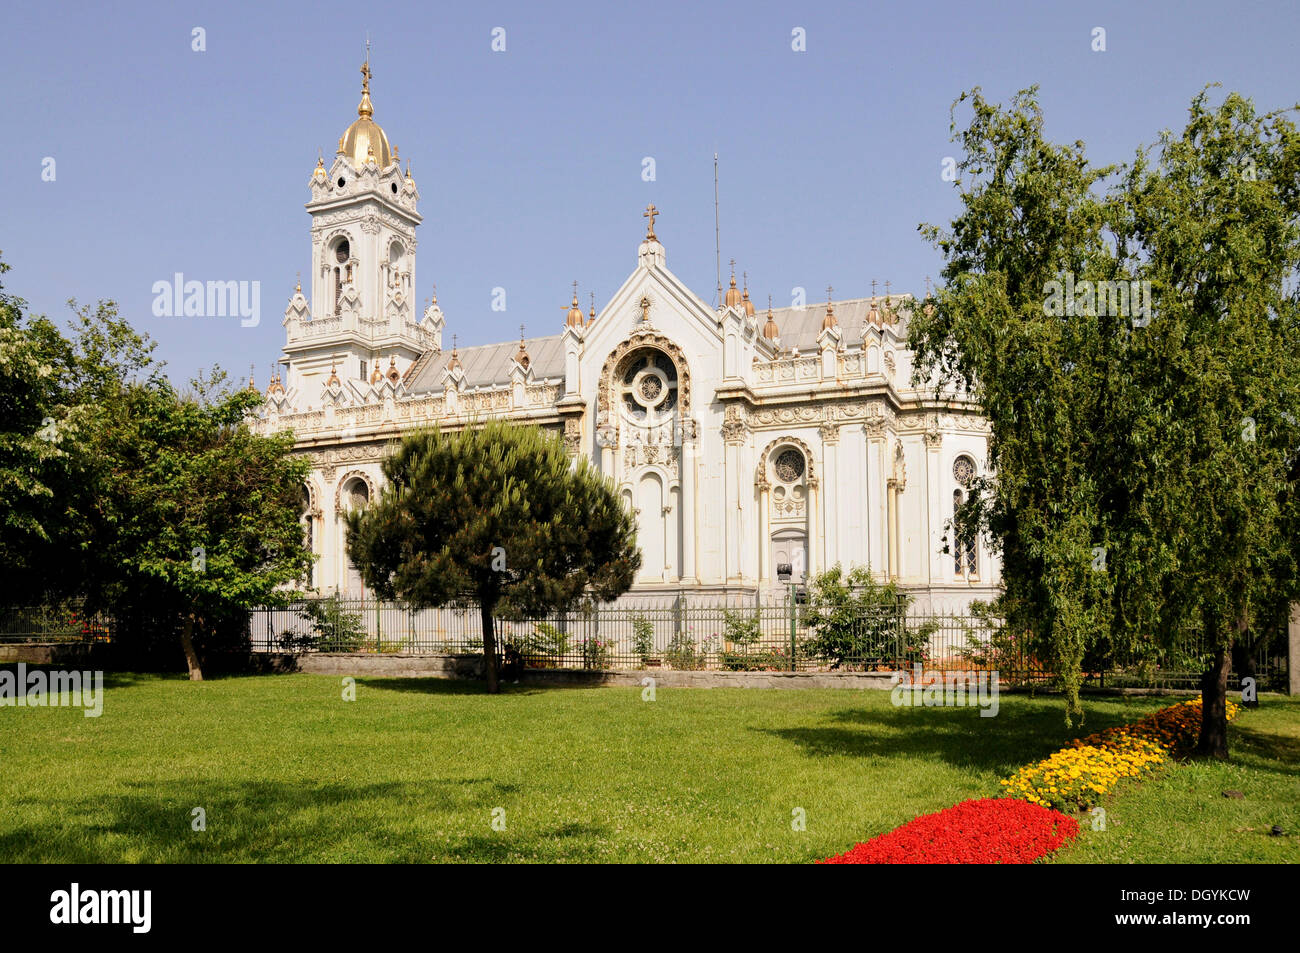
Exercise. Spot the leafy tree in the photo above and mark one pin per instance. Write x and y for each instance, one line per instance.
(196, 517)
(493, 516)
(1125, 500)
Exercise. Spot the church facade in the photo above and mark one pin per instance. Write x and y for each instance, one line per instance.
(752, 447)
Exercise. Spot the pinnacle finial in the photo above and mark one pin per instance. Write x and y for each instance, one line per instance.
(650, 213)
(365, 109)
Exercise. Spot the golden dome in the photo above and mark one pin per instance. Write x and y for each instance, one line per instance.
(364, 139)
(575, 318)
(733, 293)
(770, 330)
(749, 305)
(829, 321)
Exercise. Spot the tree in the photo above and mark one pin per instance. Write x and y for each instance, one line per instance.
(1143, 435)
(196, 518)
(494, 516)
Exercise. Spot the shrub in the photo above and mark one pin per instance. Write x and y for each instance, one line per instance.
(643, 637)
(682, 653)
(856, 620)
(336, 629)
(544, 647)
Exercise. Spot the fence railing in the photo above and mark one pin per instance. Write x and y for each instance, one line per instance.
(688, 633)
(677, 634)
(52, 624)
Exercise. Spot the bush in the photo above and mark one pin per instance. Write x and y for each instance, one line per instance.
(643, 637)
(544, 647)
(682, 653)
(336, 629)
(858, 621)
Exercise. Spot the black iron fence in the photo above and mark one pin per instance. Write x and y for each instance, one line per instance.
(680, 634)
(52, 624)
(684, 633)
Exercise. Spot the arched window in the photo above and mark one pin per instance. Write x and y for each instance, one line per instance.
(308, 533)
(964, 551)
(648, 384)
(789, 491)
(342, 271)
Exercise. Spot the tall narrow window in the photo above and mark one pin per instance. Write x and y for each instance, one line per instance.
(964, 547)
(342, 272)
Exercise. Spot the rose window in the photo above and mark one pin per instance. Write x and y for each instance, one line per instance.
(789, 466)
(963, 470)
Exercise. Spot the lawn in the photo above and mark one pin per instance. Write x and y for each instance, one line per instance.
(415, 770)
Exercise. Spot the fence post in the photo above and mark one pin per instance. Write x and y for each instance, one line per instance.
(1293, 651)
(794, 608)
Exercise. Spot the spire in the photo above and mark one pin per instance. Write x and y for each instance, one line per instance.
(575, 319)
(365, 109)
(592, 317)
(334, 375)
(770, 330)
(873, 316)
(749, 305)
(251, 386)
(650, 213)
(521, 357)
(829, 321)
(733, 293)
(454, 363)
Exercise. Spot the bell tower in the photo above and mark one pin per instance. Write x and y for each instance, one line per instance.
(363, 220)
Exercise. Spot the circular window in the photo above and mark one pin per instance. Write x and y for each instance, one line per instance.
(963, 470)
(789, 466)
(651, 387)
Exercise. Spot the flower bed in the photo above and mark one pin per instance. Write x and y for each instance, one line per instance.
(1077, 776)
(985, 831)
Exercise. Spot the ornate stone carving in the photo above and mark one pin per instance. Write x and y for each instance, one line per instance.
(345, 480)
(644, 337)
(572, 436)
(830, 432)
(734, 427)
(760, 474)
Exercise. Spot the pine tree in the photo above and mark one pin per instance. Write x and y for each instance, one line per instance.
(493, 516)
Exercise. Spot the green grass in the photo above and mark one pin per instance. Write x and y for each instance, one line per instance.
(1181, 815)
(288, 771)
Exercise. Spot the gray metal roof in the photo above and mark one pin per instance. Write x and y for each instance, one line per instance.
(489, 364)
(800, 326)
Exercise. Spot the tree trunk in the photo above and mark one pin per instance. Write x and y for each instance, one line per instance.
(1213, 742)
(191, 656)
(489, 648)
(1243, 662)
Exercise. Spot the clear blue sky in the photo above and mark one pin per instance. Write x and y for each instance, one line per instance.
(529, 161)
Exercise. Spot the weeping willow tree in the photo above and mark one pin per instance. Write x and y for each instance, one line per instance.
(1129, 333)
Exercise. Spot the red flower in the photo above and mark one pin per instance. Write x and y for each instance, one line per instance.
(987, 831)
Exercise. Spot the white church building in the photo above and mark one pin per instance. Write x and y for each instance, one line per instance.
(752, 446)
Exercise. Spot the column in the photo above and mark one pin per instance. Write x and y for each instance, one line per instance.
(814, 529)
(764, 534)
(830, 434)
(892, 492)
(687, 463)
